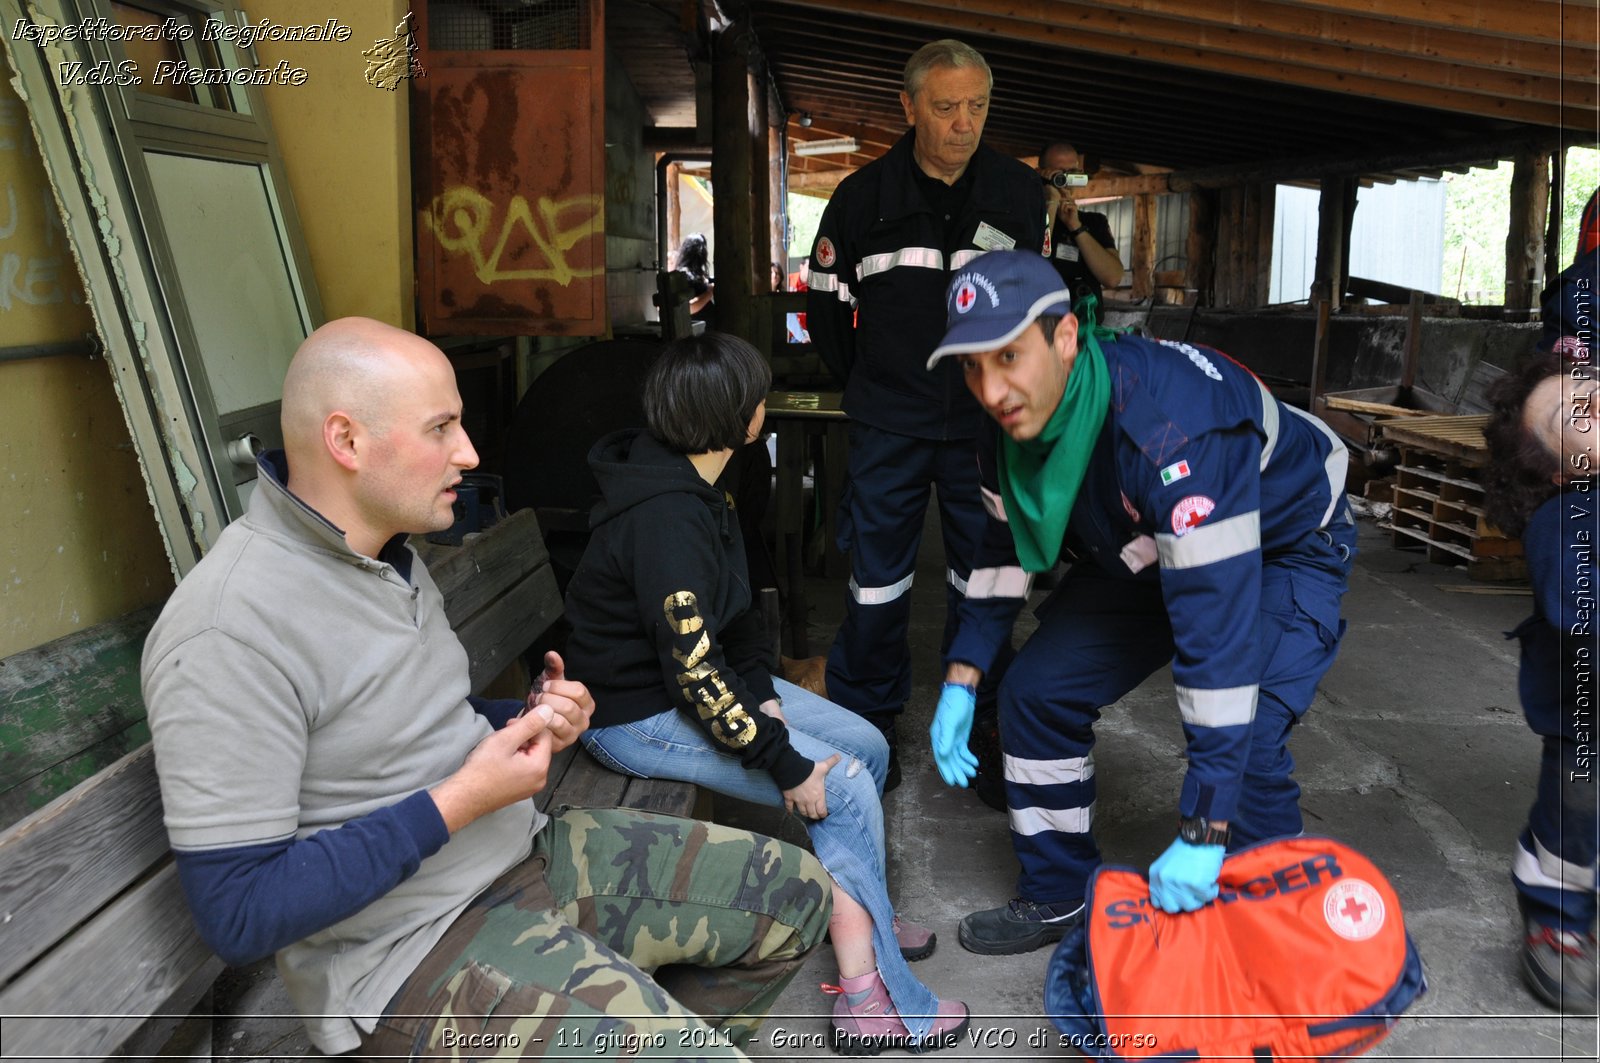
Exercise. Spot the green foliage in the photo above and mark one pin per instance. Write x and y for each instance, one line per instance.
(1477, 217)
(805, 213)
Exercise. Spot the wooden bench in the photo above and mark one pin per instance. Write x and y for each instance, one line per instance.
(96, 940)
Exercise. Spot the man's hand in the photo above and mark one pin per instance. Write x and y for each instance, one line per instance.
(1063, 207)
(508, 766)
(810, 798)
(952, 727)
(1184, 878)
(570, 702)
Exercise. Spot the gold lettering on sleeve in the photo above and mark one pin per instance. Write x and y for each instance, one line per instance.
(736, 728)
(682, 600)
(696, 655)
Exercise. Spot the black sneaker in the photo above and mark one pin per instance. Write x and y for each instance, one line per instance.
(1020, 926)
(891, 778)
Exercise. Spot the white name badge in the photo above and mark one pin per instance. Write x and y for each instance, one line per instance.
(991, 239)
(1067, 251)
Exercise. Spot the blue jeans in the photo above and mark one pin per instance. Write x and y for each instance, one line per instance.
(849, 842)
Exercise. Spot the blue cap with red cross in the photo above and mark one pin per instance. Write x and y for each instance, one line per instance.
(994, 297)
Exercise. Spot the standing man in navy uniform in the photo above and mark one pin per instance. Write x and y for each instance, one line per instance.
(887, 244)
(1207, 526)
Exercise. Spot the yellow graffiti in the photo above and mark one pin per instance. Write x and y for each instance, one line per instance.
(461, 217)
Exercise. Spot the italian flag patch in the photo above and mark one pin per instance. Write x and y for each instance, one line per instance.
(1174, 472)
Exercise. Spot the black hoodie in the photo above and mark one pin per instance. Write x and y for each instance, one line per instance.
(660, 607)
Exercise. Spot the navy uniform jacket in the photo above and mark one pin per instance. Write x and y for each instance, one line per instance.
(1560, 646)
(1199, 476)
(882, 250)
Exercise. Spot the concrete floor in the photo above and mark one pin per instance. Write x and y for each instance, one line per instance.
(1415, 753)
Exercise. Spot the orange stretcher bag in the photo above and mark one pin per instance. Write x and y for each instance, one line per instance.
(1303, 955)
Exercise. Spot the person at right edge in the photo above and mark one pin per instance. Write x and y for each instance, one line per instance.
(1207, 526)
(1544, 444)
(886, 246)
(1082, 248)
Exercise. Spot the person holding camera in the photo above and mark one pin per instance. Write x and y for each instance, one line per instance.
(1081, 246)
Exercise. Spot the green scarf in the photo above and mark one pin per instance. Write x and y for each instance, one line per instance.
(1039, 479)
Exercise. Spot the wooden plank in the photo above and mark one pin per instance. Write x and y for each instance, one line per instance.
(472, 574)
(668, 796)
(29, 796)
(559, 766)
(588, 785)
(1456, 437)
(148, 945)
(71, 857)
(498, 633)
(1382, 409)
(95, 671)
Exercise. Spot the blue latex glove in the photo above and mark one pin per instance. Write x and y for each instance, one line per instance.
(952, 726)
(1184, 878)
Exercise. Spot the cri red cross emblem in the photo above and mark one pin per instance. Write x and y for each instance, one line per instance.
(1353, 909)
(1189, 512)
(966, 295)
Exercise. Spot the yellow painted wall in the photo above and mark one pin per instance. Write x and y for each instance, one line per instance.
(78, 537)
(346, 145)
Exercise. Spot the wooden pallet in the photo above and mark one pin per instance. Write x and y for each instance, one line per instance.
(1438, 505)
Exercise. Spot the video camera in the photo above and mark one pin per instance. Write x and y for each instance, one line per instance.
(1066, 179)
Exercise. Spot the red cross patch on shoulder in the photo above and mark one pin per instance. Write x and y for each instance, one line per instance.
(1189, 512)
(826, 255)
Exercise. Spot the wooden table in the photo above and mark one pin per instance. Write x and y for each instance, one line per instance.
(796, 418)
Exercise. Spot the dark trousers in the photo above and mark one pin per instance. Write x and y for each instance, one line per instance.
(880, 529)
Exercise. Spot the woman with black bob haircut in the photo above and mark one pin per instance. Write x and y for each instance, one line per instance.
(667, 639)
(1544, 443)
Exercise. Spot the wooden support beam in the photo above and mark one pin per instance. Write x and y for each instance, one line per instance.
(1558, 196)
(1266, 197)
(1528, 20)
(1529, 200)
(1144, 247)
(1202, 245)
(1532, 100)
(1343, 29)
(732, 147)
(1319, 356)
(1333, 236)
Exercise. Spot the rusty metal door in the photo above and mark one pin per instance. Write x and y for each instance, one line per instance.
(509, 168)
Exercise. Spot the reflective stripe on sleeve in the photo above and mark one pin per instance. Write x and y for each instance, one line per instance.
(879, 595)
(1229, 707)
(1048, 772)
(1211, 542)
(1042, 820)
(916, 257)
(1007, 582)
(961, 258)
(1335, 464)
(1269, 424)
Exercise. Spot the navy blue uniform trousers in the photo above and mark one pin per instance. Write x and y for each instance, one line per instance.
(1098, 638)
(880, 529)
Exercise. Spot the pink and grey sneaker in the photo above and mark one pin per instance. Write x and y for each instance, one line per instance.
(917, 942)
(865, 1021)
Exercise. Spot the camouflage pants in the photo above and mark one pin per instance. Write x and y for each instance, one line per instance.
(551, 960)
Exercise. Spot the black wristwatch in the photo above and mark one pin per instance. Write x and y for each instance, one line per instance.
(1197, 830)
(1073, 234)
